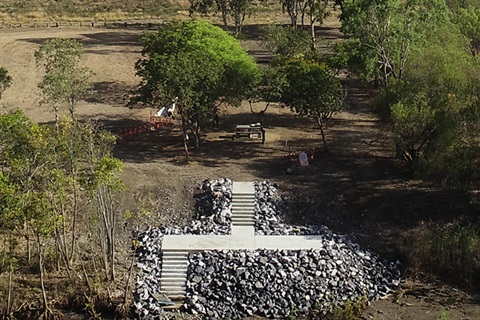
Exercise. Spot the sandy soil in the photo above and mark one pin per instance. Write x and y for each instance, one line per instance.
(358, 187)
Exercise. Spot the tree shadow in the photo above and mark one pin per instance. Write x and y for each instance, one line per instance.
(127, 40)
(110, 92)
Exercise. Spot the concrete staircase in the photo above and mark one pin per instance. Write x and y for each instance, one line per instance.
(174, 275)
(243, 208)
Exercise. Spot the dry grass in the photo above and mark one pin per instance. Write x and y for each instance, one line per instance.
(36, 11)
(447, 250)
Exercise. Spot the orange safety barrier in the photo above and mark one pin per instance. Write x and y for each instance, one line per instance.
(152, 123)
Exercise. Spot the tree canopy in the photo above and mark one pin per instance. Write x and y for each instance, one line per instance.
(424, 54)
(381, 34)
(198, 64)
(65, 82)
(311, 90)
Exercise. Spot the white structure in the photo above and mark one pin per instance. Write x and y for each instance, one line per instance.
(167, 111)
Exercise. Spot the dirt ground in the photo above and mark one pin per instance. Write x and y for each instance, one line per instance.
(357, 188)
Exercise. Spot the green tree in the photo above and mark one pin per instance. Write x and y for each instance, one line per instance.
(312, 90)
(268, 90)
(468, 20)
(65, 82)
(435, 118)
(199, 64)
(285, 42)
(5, 80)
(317, 11)
(382, 34)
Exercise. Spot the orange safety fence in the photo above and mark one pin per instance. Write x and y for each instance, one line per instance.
(151, 124)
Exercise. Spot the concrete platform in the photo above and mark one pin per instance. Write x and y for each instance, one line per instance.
(242, 188)
(239, 240)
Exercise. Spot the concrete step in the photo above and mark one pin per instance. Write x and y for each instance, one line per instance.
(174, 261)
(173, 253)
(243, 207)
(243, 211)
(173, 275)
(243, 200)
(175, 281)
(242, 216)
(175, 306)
(170, 287)
(172, 266)
(240, 219)
(243, 224)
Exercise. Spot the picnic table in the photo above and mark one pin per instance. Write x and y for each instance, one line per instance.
(249, 131)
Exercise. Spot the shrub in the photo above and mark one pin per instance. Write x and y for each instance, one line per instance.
(447, 251)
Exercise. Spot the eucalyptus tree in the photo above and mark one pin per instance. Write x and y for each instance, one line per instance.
(65, 81)
(382, 34)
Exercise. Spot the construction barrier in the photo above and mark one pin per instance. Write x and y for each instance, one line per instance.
(152, 123)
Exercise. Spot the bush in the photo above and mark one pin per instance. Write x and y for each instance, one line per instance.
(447, 251)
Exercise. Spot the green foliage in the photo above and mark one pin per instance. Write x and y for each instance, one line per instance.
(311, 90)
(443, 315)
(351, 310)
(271, 86)
(435, 120)
(456, 5)
(382, 34)
(42, 169)
(450, 250)
(414, 127)
(198, 64)
(285, 41)
(65, 82)
(5, 80)
(468, 20)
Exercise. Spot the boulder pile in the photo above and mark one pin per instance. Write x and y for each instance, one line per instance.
(213, 210)
(283, 283)
(147, 295)
(270, 283)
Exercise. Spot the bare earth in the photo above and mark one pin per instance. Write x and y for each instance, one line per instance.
(358, 187)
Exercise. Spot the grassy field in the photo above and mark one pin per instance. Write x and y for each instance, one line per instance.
(37, 11)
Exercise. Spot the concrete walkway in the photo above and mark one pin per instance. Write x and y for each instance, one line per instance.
(242, 237)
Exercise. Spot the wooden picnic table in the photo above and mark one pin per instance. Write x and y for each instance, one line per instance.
(247, 131)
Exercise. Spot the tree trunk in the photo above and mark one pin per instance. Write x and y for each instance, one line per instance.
(42, 280)
(314, 38)
(185, 139)
(29, 249)
(239, 20)
(8, 310)
(74, 213)
(111, 213)
(222, 5)
(325, 148)
(196, 135)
